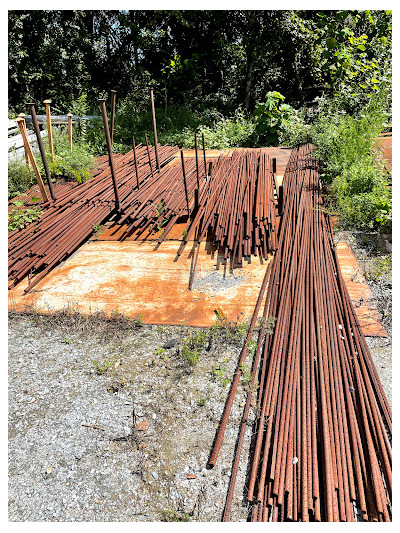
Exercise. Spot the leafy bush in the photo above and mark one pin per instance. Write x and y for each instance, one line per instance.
(224, 133)
(19, 216)
(69, 164)
(20, 178)
(294, 128)
(269, 117)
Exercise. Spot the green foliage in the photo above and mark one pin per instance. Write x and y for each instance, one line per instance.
(295, 128)
(192, 347)
(218, 373)
(354, 52)
(381, 267)
(20, 178)
(20, 216)
(354, 166)
(101, 368)
(270, 116)
(171, 515)
(69, 164)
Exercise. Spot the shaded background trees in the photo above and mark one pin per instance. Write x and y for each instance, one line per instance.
(221, 59)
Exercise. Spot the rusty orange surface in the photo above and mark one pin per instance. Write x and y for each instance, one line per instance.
(132, 278)
(385, 142)
(360, 293)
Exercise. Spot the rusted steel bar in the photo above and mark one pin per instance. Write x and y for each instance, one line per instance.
(28, 151)
(25, 139)
(153, 113)
(102, 104)
(136, 166)
(112, 116)
(197, 160)
(41, 148)
(184, 182)
(49, 130)
(70, 115)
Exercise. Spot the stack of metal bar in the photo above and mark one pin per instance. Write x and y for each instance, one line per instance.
(236, 207)
(322, 445)
(75, 215)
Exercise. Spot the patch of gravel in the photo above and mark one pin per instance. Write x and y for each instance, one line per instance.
(61, 470)
(217, 281)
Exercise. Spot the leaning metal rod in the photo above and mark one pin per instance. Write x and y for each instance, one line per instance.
(28, 163)
(112, 117)
(204, 155)
(148, 153)
(197, 160)
(153, 112)
(238, 373)
(136, 166)
(103, 110)
(41, 148)
(70, 115)
(29, 153)
(184, 182)
(49, 130)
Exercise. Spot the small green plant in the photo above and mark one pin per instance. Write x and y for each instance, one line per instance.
(246, 375)
(218, 373)
(101, 368)
(67, 341)
(20, 216)
(202, 402)
(160, 351)
(192, 347)
(98, 229)
(170, 515)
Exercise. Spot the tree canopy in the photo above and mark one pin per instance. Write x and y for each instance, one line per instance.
(222, 59)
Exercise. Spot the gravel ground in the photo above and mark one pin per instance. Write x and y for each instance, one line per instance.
(154, 422)
(127, 438)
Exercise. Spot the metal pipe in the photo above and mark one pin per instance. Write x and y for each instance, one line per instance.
(153, 113)
(41, 148)
(102, 104)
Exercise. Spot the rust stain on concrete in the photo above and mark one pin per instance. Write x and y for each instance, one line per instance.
(132, 278)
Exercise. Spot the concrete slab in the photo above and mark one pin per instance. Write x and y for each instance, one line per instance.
(131, 278)
(359, 292)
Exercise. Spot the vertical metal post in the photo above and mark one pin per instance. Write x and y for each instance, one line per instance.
(204, 154)
(41, 148)
(184, 182)
(210, 170)
(28, 151)
(113, 98)
(70, 115)
(134, 157)
(102, 104)
(153, 112)
(197, 159)
(49, 130)
(25, 139)
(148, 153)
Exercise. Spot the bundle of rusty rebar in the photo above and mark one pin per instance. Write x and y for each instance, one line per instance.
(233, 204)
(74, 216)
(236, 207)
(322, 445)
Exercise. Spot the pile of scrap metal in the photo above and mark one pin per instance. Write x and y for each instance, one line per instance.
(321, 447)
